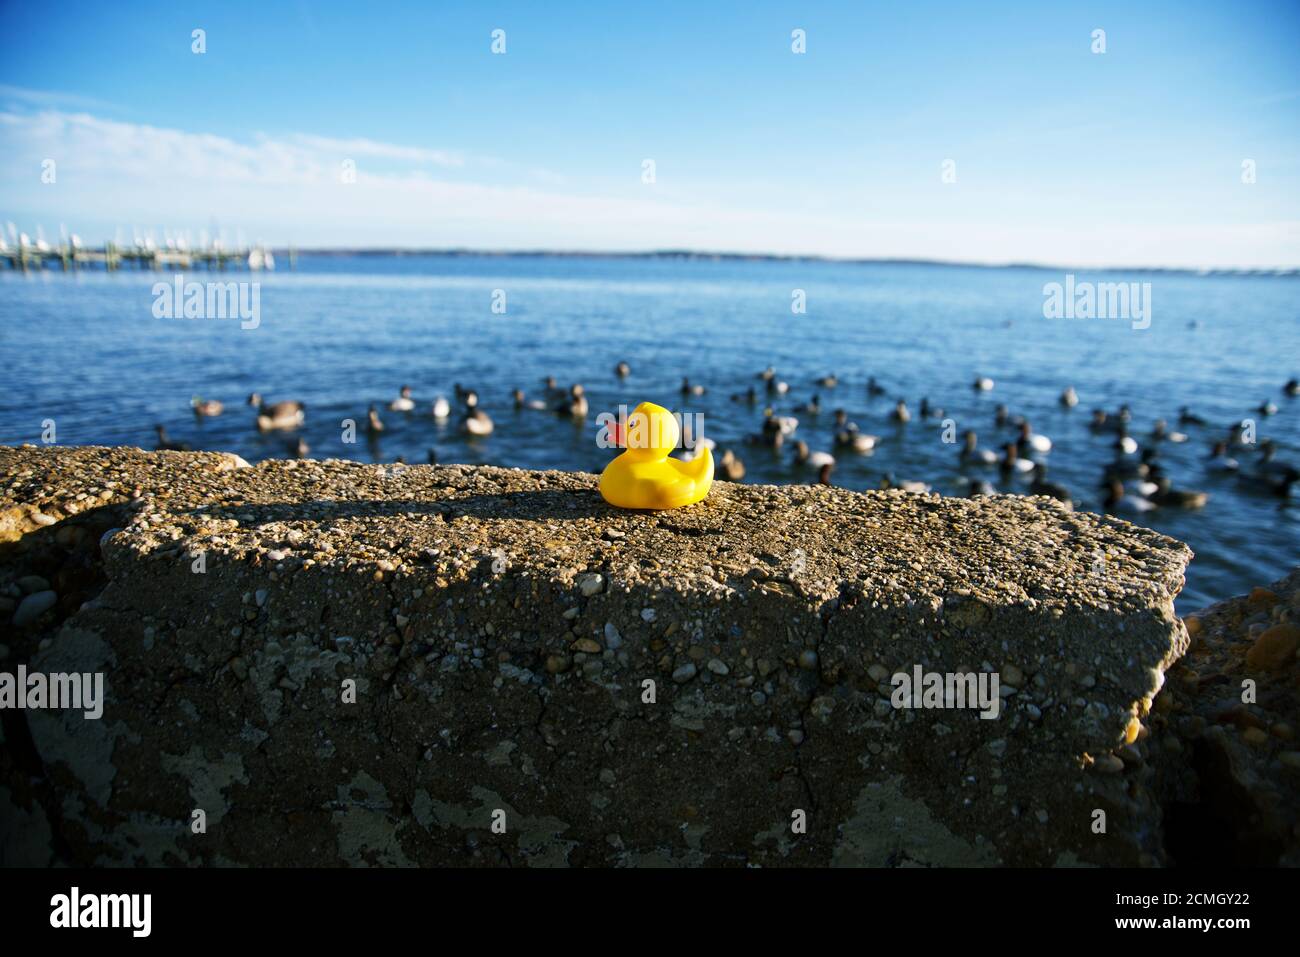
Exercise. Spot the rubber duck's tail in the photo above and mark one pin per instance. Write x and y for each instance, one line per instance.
(700, 468)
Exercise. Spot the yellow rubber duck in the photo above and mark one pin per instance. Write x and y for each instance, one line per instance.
(644, 476)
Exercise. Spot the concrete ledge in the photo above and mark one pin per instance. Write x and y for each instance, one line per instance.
(500, 626)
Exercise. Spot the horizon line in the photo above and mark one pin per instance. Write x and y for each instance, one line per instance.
(698, 254)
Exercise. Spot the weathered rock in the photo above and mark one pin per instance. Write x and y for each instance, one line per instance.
(1225, 726)
(776, 610)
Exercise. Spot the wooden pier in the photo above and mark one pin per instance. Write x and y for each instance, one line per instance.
(113, 257)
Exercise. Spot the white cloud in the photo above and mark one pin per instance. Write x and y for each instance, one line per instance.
(288, 188)
(353, 148)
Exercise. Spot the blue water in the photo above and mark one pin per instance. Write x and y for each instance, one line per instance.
(341, 332)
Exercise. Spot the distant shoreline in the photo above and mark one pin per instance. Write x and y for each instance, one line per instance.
(690, 255)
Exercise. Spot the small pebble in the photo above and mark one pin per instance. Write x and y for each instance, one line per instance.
(1108, 764)
(1274, 648)
(684, 673)
(33, 606)
(590, 584)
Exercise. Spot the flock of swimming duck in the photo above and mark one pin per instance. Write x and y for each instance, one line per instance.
(1134, 481)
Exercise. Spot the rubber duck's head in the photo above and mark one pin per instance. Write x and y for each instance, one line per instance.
(652, 432)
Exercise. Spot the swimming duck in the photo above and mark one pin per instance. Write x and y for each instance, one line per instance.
(749, 395)
(767, 375)
(770, 434)
(1166, 494)
(1126, 468)
(441, 408)
(1270, 475)
(842, 419)
(1267, 408)
(777, 387)
(982, 384)
(971, 454)
(1012, 463)
(167, 445)
(1125, 444)
(803, 456)
(206, 408)
(374, 425)
(521, 402)
(1220, 460)
(1187, 417)
(1161, 433)
(900, 413)
(812, 407)
(824, 473)
(874, 387)
(622, 370)
(733, 470)
(929, 411)
(975, 488)
(1292, 387)
(828, 381)
(432, 456)
(1144, 483)
(477, 423)
(888, 481)
(785, 424)
(300, 449)
(1039, 485)
(403, 402)
(1241, 435)
(281, 415)
(1069, 398)
(688, 389)
(575, 406)
(856, 441)
(644, 476)
(1270, 484)
(1031, 441)
(1117, 501)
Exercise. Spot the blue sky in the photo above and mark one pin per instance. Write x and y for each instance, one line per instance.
(1130, 157)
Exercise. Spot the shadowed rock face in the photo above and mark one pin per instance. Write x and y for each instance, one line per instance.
(627, 688)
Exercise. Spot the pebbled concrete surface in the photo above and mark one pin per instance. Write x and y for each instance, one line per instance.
(498, 628)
